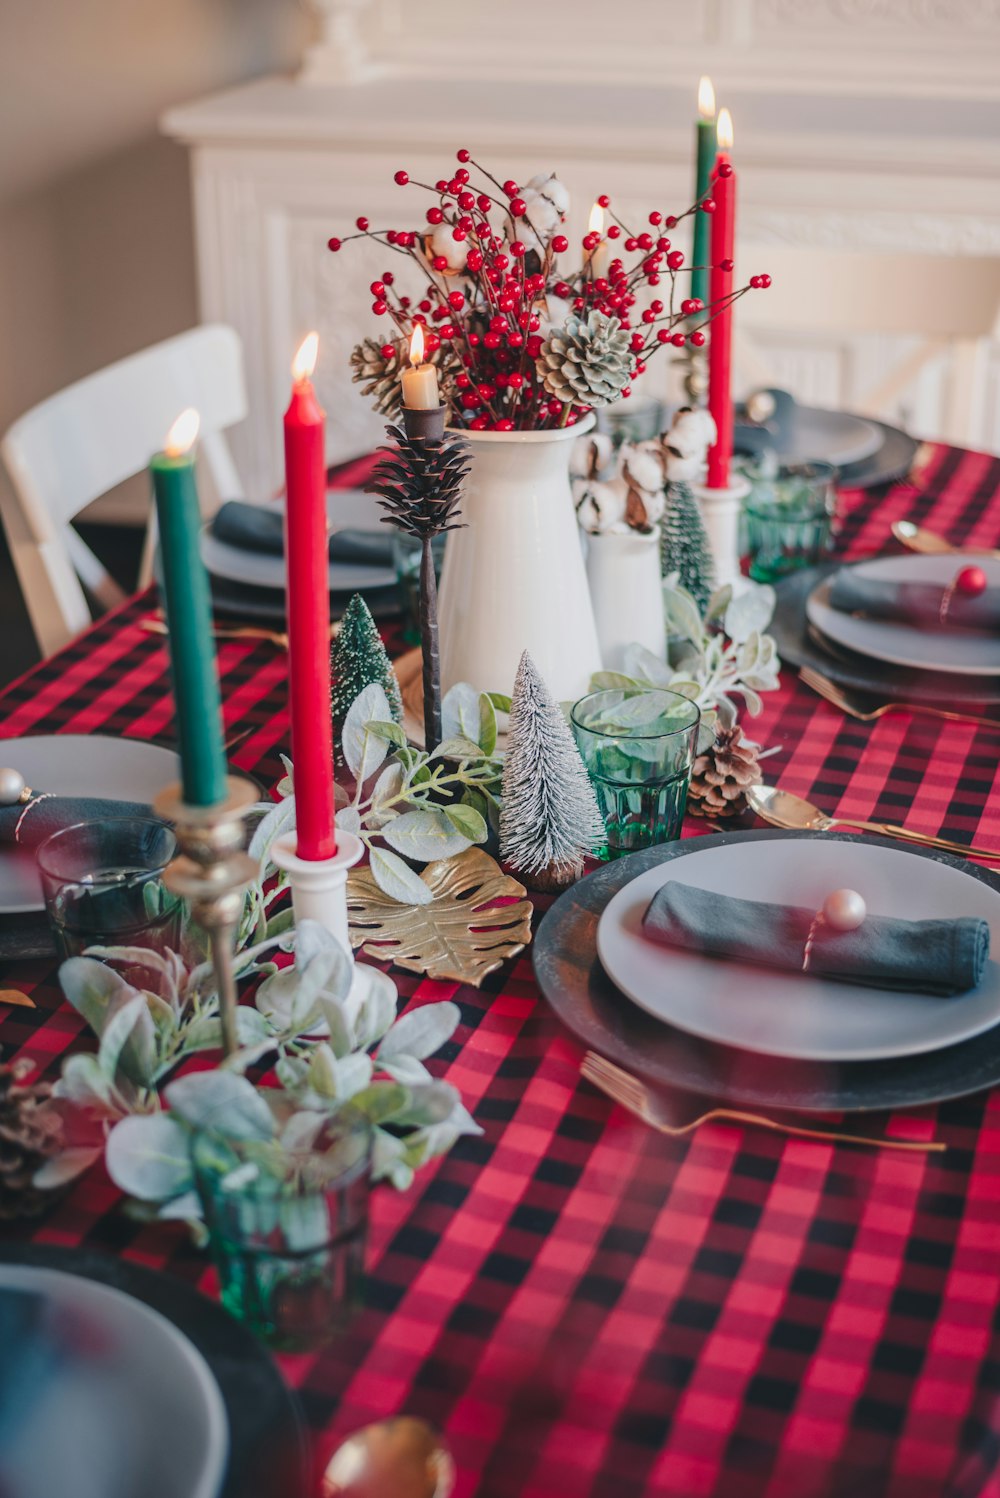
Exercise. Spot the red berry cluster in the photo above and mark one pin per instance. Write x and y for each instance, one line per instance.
(493, 298)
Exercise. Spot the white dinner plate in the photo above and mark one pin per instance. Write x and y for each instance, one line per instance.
(796, 1014)
(76, 764)
(347, 509)
(112, 1402)
(960, 651)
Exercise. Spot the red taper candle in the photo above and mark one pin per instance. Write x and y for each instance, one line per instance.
(720, 347)
(308, 606)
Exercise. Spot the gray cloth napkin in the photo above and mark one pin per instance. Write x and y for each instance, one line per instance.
(935, 957)
(914, 603)
(56, 812)
(252, 528)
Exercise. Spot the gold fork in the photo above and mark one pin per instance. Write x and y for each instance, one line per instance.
(627, 1090)
(158, 626)
(839, 698)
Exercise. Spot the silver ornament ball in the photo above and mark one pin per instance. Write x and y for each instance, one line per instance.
(760, 406)
(844, 910)
(11, 786)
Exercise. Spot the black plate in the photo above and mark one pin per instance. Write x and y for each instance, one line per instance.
(576, 986)
(887, 465)
(267, 605)
(798, 646)
(268, 1454)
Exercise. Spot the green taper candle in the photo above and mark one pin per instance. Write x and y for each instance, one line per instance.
(705, 164)
(188, 607)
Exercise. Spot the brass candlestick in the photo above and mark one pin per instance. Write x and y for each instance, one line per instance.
(212, 873)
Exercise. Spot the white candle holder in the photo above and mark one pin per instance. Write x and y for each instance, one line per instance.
(319, 886)
(720, 511)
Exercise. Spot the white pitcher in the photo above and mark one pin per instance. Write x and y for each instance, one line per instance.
(513, 577)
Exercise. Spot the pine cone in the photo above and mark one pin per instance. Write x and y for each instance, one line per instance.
(419, 483)
(378, 376)
(586, 362)
(29, 1133)
(720, 777)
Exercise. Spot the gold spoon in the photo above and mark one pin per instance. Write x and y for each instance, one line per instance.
(782, 809)
(403, 1457)
(930, 544)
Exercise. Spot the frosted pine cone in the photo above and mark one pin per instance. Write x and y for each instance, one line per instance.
(378, 376)
(721, 776)
(586, 362)
(29, 1133)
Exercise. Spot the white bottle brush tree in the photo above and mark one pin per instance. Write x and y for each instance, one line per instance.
(549, 818)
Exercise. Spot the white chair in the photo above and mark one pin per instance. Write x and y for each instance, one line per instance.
(72, 448)
(937, 306)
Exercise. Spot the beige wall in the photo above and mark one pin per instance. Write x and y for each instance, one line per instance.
(96, 251)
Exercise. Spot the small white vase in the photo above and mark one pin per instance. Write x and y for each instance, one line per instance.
(627, 593)
(513, 577)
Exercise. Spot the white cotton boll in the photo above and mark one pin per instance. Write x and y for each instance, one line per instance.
(602, 508)
(687, 470)
(441, 241)
(643, 465)
(693, 431)
(590, 455)
(552, 312)
(541, 216)
(548, 184)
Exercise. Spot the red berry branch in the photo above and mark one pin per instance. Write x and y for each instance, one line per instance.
(495, 304)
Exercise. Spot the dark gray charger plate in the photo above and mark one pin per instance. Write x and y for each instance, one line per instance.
(880, 680)
(890, 462)
(268, 1455)
(239, 600)
(576, 986)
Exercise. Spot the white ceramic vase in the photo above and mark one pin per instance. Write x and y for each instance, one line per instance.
(513, 576)
(627, 593)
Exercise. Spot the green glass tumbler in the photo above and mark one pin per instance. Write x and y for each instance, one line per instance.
(638, 747)
(789, 519)
(287, 1229)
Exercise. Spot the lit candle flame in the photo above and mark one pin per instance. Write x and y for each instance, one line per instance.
(182, 435)
(417, 344)
(706, 98)
(596, 224)
(305, 359)
(724, 130)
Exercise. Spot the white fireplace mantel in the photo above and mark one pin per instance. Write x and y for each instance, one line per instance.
(280, 165)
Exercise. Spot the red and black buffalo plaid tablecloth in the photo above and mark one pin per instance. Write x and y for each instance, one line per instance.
(585, 1307)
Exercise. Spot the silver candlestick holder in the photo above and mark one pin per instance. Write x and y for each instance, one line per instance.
(213, 873)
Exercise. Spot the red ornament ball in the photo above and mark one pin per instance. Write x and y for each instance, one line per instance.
(691, 305)
(463, 155)
(604, 201)
(401, 178)
(461, 176)
(560, 244)
(491, 340)
(670, 222)
(474, 260)
(518, 250)
(466, 200)
(511, 188)
(439, 262)
(697, 338)
(726, 265)
(765, 282)
(503, 425)
(518, 208)
(725, 169)
(655, 218)
(435, 216)
(675, 259)
(377, 289)
(678, 340)
(333, 244)
(362, 224)
(663, 336)
(626, 392)
(456, 299)
(380, 308)
(707, 205)
(388, 351)
(614, 232)
(479, 423)
(971, 581)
